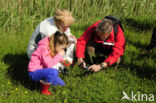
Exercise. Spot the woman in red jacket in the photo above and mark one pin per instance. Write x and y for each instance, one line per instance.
(99, 38)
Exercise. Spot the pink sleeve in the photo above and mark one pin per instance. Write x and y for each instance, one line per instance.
(47, 60)
(35, 62)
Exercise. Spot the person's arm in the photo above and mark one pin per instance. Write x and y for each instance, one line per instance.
(41, 58)
(69, 55)
(32, 46)
(81, 63)
(42, 30)
(98, 67)
(118, 48)
(81, 43)
(35, 62)
(47, 60)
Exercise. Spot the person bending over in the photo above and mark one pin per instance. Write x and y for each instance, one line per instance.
(101, 45)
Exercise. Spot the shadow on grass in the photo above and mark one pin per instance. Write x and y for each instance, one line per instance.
(142, 25)
(137, 44)
(144, 70)
(147, 70)
(17, 70)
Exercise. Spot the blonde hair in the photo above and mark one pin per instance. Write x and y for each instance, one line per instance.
(105, 26)
(57, 39)
(63, 17)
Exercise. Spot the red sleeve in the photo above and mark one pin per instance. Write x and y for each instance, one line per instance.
(118, 49)
(81, 42)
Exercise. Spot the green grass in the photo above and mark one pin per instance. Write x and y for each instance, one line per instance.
(138, 73)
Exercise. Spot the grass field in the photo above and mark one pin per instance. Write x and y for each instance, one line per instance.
(138, 73)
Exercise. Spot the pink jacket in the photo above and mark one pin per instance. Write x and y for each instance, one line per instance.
(41, 57)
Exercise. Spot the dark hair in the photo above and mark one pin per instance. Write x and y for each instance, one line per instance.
(57, 38)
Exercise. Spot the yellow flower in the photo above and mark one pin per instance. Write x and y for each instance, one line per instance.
(12, 91)
(16, 89)
(26, 92)
(9, 82)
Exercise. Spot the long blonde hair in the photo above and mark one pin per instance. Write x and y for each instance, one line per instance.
(57, 39)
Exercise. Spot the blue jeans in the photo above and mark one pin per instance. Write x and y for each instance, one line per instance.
(50, 75)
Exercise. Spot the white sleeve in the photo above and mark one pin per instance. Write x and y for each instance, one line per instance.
(70, 53)
(45, 29)
(70, 49)
(68, 32)
(32, 45)
(58, 65)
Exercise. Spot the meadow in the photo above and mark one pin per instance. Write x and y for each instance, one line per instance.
(137, 74)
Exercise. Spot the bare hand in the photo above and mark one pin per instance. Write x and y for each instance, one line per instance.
(81, 63)
(62, 52)
(72, 36)
(95, 68)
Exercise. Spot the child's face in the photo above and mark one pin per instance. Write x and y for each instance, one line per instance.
(59, 47)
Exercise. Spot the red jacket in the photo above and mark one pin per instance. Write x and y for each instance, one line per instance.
(117, 50)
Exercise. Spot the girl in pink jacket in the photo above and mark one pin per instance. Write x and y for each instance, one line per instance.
(50, 51)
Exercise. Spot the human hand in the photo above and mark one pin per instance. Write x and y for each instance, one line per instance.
(69, 59)
(73, 37)
(62, 52)
(95, 68)
(81, 63)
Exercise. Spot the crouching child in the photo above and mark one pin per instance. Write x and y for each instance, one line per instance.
(46, 61)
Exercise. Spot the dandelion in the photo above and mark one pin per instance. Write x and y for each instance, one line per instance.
(9, 82)
(26, 92)
(16, 89)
